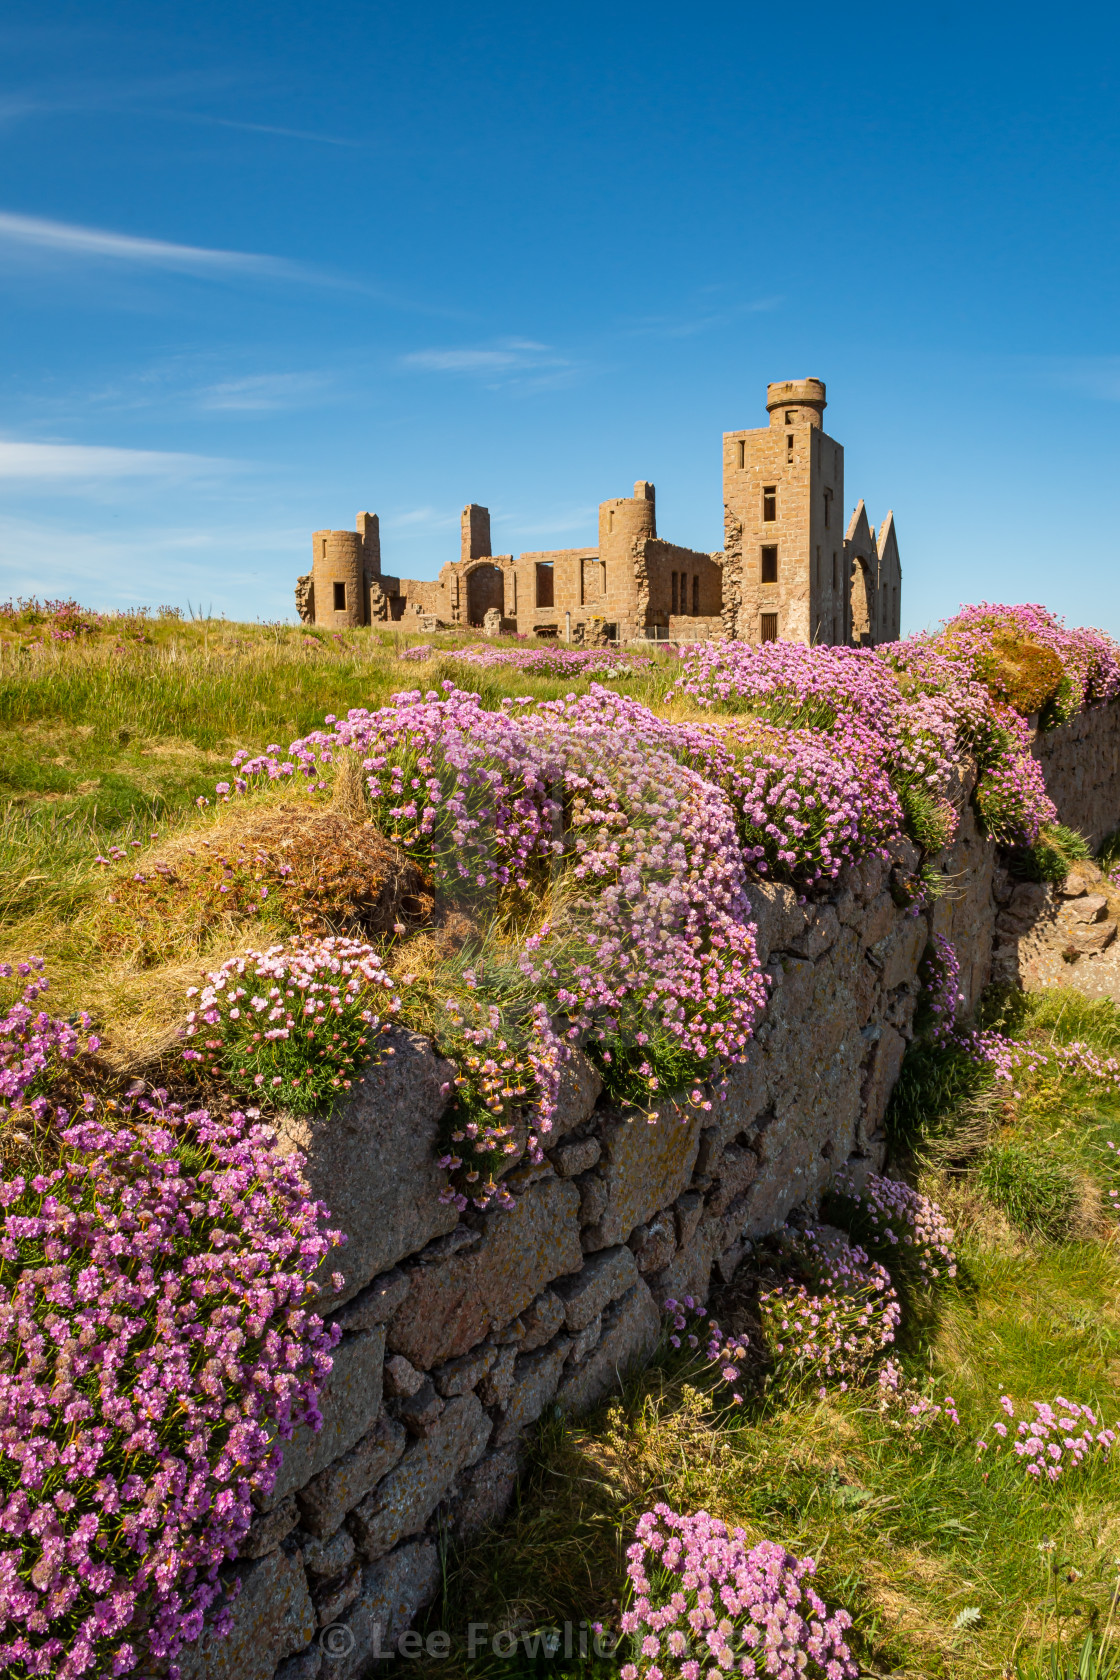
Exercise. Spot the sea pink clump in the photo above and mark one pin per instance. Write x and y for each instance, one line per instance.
(703, 1600)
(898, 1221)
(832, 1327)
(1059, 1437)
(156, 1347)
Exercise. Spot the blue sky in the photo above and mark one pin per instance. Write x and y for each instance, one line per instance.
(263, 266)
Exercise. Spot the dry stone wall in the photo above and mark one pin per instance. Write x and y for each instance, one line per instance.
(459, 1331)
(1081, 762)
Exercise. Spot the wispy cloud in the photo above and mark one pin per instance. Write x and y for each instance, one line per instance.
(205, 120)
(79, 461)
(704, 320)
(504, 357)
(262, 393)
(1093, 376)
(72, 240)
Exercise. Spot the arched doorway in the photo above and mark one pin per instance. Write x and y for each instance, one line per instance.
(485, 589)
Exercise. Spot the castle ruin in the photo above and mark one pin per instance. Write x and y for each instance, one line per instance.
(788, 570)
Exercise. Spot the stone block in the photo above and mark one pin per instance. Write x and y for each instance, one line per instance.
(402, 1503)
(324, 1558)
(820, 936)
(605, 1276)
(630, 1334)
(883, 1066)
(690, 1270)
(495, 1387)
(331, 1597)
(454, 1302)
(487, 1490)
(877, 920)
(580, 1088)
(542, 1320)
(586, 1340)
(777, 916)
(460, 1375)
(401, 1378)
(737, 1169)
(325, 1501)
(268, 1528)
(689, 1209)
(393, 1592)
(272, 1618)
(535, 1380)
(1088, 907)
(375, 1304)
(897, 956)
(372, 1160)
(644, 1168)
(592, 1198)
(575, 1157)
(657, 1243)
(306, 1666)
(349, 1401)
(421, 1412)
(1089, 937)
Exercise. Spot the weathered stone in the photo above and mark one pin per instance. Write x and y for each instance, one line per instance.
(896, 957)
(580, 1087)
(542, 1320)
(1090, 936)
(535, 1379)
(690, 1270)
(592, 1198)
(737, 1169)
(605, 1276)
(777, 916)
(689, 1209)
(402, 1503)
(393, 1591)
(630, 1334)
(644, 1168)
(459, 1376)
(268, 1528)
(1089, 907)
(575, 1157)
(305, 1666)
(329, 1557)
(587, 1339)
(331, 1597)
(401, 1378)
(487, 1490)
(877, 921)
(272, 1618)
(658, 1243)
(375, 1304)
(454, 1302)
(494, 1389)
(373, 1162)
(1082, 878)
(349, 1400)
(326, 1499)
(820, 936)
(421, 1412)
(883, 1065)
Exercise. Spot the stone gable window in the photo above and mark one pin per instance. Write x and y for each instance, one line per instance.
(769, 568)
(769, 502)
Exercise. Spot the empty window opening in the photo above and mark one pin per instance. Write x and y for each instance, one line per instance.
(340, 597)
(769, 502)
(790, 412)
(674, 606)
(817, 571)
(695, 595)
(827, 509)
(545, 588)
(769, 572)
(742, 453)
(768, 627)
(610, 631)
(603, 580)
(789, 446)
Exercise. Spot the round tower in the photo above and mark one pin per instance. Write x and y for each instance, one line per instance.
(338, 568)
(792, 402)
(627, 517)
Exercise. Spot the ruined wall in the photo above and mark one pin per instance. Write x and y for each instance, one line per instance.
(1081, 762)
(459, 1330)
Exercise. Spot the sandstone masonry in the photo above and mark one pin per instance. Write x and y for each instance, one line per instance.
(787, 570)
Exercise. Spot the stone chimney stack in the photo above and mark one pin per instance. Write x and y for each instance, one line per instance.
(474, 541)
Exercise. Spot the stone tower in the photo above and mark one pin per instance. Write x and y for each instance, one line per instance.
(792, 572)
(783, 496)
